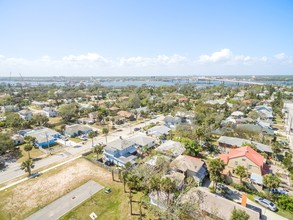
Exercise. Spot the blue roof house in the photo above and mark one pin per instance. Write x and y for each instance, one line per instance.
(45, 137)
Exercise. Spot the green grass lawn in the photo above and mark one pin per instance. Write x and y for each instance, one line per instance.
(74, 139)
(114, 205)
(106, 206)
(35, 153)
(285, 214)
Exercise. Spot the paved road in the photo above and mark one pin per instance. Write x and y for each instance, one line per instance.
(67, 202)
(236, 197)
(13, 169)
(289, 122)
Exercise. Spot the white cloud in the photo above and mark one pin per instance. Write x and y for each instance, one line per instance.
(223, 61)
(93, 57)
(226, 57)
(280, 56)
(151, 61)
(222, 55)
(283, 58)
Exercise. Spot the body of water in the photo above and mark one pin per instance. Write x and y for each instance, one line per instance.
(138, 83)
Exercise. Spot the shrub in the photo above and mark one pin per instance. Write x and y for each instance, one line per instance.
(286, 203)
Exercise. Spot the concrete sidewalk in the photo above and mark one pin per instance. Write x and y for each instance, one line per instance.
(67, 202)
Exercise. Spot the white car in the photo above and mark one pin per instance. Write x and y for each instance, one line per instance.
(266, 203)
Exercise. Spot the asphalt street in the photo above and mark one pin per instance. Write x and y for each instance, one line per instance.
(13, 170)
(67, 202)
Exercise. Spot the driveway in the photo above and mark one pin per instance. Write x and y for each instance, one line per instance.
(61, 206)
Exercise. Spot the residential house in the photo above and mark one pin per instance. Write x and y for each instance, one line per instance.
(171, 121)
(120, 152)
(250, 159)
(239, 95)
(183, 99)
(40, 104)
(140, 109)
(76, 129)
(237, 114)
(265, 112)
(226, 143)
(215, 102)
(50, 112)
(25, 115)
(9, 108)
(154, 160)
(86, 121)
(93, 115)
(142, 140)
(114, 109)
(186, 117)
(85, 106)
(159, 131)
(177, 178)
(190, 167)
(126, 115)
(171, 148)
(44, 136)
(216, 206)
(17, 139)
(255, 128)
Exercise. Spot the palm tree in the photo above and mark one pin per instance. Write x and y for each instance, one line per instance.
(168, 186)
(91, 135)
(241, 171)
(200, 133)
(215, 168)
(30, 140)
(99, 149)
(105, 131)
(28, 148)
(27, 166)
(123, 172)
(192, 148)
(154, 184)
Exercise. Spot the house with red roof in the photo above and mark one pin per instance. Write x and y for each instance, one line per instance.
(183, 99)
(250, 159)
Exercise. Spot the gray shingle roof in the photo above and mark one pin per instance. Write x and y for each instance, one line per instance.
(239, 141)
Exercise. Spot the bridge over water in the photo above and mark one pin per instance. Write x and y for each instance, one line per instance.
(230, 80)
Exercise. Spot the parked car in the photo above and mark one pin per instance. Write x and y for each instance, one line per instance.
(136, 129)
(34, 175)
(83, 138)
(280, 191)
(266, 203)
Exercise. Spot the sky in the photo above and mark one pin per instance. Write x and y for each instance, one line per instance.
(146, 37)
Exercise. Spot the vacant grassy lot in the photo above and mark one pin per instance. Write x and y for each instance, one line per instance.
(24, 199)
(112, 206)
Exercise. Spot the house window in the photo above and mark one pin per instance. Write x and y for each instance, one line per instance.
(249, 166)
(236, 162)
(243, 159)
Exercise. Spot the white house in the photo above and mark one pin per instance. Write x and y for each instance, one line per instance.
(50, 112)
(25, 115)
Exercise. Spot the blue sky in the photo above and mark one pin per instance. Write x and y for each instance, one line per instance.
(146, 37)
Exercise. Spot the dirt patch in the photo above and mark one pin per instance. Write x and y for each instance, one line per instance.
(36, 193)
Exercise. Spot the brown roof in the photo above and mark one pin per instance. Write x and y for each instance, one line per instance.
(185, 162)
(124, 114)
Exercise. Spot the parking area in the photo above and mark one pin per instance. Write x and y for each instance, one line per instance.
(66, 203)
